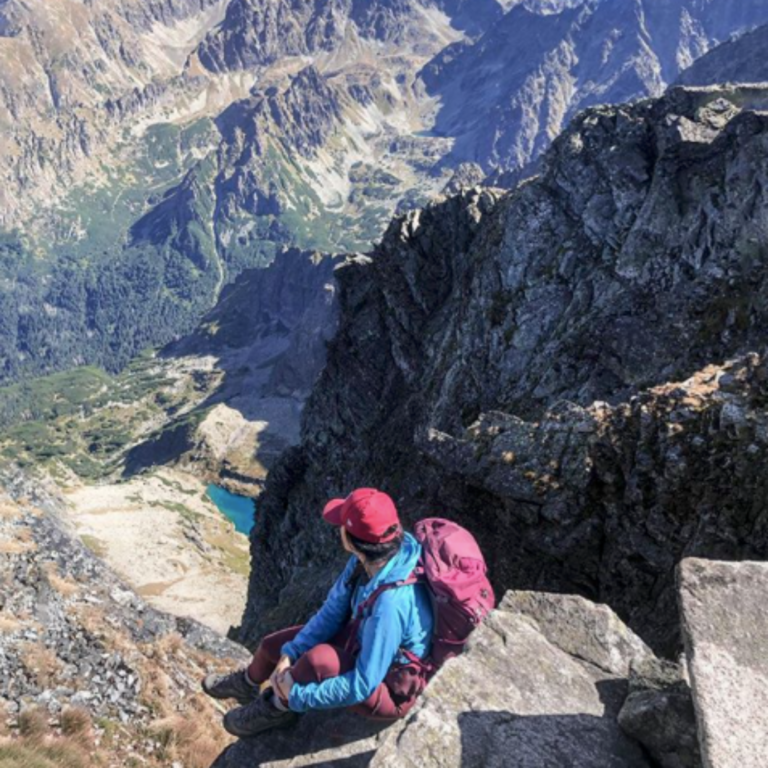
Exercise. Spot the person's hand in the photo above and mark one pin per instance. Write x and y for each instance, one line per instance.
(284, 684)
(282, 665)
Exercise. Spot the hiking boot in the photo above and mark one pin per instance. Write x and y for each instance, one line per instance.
(235, 685)
(258, 716)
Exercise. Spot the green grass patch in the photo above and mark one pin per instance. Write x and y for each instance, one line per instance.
(95, 544)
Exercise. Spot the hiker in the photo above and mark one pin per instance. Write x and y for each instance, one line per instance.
(375, 664)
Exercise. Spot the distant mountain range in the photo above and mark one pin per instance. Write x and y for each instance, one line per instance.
(506, 96)
(152, 151)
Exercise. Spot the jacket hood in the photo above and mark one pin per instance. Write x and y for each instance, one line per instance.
(400, 566)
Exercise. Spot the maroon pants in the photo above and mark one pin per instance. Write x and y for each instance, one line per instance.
(390, 701)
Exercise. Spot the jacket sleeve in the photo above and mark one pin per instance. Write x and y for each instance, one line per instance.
(382, 635)
(328, 620)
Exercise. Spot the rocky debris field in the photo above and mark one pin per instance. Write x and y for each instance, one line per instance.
(86, 666)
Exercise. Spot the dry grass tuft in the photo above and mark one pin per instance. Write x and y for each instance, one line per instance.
(8, 624)
(76, 723)
(93, 620)
(24, 534)
(40, 662)
(15, 547)
(55, 755)
(9, 511)
(170, 645)
(37, 746)
(4, 719)
(33, 724)
(155, 687)
(189, 740)
(64, 586)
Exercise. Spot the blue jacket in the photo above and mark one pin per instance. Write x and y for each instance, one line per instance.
(400, 618)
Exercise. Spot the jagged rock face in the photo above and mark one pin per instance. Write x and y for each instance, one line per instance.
(301, 120)
(725, 625)
(508, 95)
(540, 704)
(257, 32)
(636, 259)
(736, 61)
(531, 690)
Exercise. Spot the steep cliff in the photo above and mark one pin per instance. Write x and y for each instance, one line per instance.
(549, 366)
(256, 356)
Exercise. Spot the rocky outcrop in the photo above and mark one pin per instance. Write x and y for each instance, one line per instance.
(506, 361)
(273, 125)
(275, 321)
(659, 714)
(725, 625)
(518, 699)
(532, 690)
(735, 61)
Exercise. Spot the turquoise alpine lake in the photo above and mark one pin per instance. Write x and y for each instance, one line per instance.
(239, 509)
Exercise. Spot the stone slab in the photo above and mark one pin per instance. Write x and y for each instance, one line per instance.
(725, 627)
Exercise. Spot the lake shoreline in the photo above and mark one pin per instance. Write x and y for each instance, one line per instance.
(239, 510)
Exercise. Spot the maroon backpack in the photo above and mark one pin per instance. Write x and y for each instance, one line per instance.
(453, 568)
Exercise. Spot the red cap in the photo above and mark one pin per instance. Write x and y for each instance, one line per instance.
(366, 513)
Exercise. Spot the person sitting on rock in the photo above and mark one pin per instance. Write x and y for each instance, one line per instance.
(373, 664)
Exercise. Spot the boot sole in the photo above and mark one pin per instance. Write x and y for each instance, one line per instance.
(279, 725)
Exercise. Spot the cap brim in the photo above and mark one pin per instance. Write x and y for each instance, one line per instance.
(332, 512)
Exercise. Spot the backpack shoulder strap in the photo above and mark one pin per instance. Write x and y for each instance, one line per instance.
(367, 604)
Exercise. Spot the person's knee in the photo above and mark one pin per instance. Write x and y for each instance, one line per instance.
(318, 663)
(324, 659)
